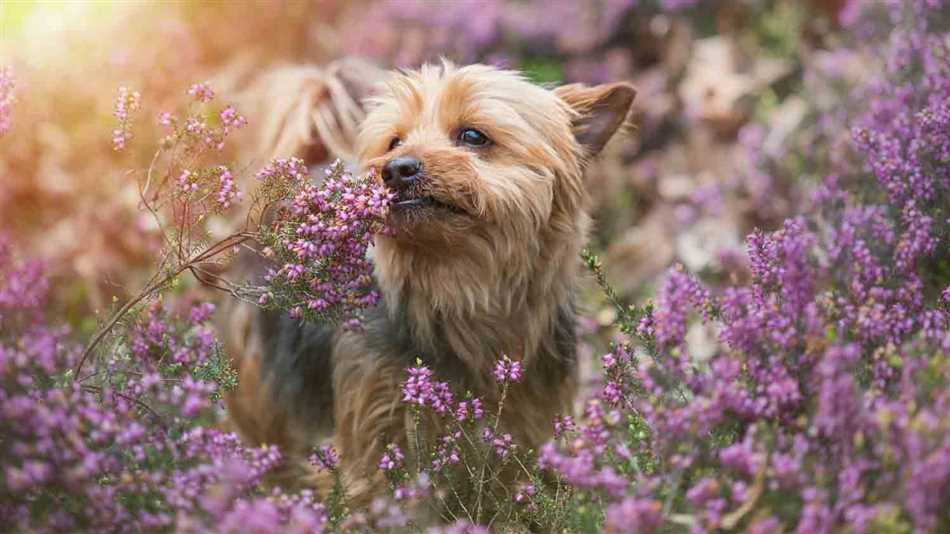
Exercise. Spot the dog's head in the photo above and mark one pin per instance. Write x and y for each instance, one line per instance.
(478, 152)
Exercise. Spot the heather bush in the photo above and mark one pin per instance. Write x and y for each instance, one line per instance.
(130, 446)
(123, 433)
(312, 238)
(824, 404)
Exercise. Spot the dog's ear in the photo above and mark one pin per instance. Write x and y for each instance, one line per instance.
(600, 111)
(313, 112)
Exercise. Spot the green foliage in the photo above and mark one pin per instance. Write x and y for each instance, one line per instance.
(779, 29)
(217, 369)
(543, 70)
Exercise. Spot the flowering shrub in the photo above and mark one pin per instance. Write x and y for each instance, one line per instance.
(470, 447)
(317, 233)
(180, 190)
(125, 446)
(320, 242)
(825, 402)
(119, 436)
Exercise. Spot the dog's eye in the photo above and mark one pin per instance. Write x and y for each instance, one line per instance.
(394, 143)
(473, 137)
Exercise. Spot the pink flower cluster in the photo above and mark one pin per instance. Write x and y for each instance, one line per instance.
(466, 441)
(320, 241)
(213, 188)
(228, 193)
(182, 184)
(502, 444)
(325, 458)
(231, 119)
(507, 370)
(420, 390)
(127, 104)
(193, 134)
(447, 451)
(23, 287)
(470, 410)
(7, 98)
(393, 459)
(201, 92)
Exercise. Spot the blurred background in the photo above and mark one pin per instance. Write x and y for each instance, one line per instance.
(725, 88)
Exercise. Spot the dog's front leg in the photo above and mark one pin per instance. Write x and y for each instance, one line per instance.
(368, 416)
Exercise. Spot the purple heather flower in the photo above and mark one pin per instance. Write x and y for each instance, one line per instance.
(469, 410)
(508, 370)
(321, 238)
(102, 443)
(227, 193)
(503, 444)
(419, 488)
(420, 390)
(563, 425)
(166, 119)
(201, 92)
(678, 293)
(634, 515)
(201, 313)
(284, 170)
(392, 459)
(231, 119)
(524, 493)
(325, 458)
(127, 104)
(447, 453)
(741, 457)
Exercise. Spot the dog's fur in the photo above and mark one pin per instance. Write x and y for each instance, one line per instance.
(489, 268)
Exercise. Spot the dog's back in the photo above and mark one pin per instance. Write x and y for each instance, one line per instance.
(284, 395)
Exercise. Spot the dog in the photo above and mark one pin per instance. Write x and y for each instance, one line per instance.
(489, 214)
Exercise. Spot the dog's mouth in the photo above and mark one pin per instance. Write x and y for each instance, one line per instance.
(406, 201)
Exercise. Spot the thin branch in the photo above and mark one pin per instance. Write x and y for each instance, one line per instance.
(138, 402)
(149, 289)
(157, 282)
(481, 476)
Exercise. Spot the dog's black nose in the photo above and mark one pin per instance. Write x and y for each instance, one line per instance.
(401, 172)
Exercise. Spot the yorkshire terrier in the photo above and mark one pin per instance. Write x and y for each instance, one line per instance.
(490, 214)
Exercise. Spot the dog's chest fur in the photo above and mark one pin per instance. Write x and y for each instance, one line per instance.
(300, 359)
(390, 335)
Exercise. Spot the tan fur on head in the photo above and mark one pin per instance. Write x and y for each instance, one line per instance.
(506, 254)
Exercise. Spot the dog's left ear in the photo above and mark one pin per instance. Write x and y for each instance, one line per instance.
(601, 111)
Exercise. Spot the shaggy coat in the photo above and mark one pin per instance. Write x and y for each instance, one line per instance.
(487, 266)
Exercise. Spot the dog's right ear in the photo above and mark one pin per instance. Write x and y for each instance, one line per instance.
(600, 111)
(313, 112)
